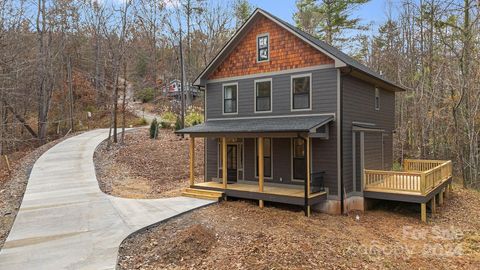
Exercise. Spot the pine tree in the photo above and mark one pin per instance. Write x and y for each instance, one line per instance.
(330, 20)
(243, 9)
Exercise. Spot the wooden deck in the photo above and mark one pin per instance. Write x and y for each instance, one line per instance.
(422, 181)
(412, 181)
(277, 193)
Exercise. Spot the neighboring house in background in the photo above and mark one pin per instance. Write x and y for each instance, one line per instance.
(175, 88)
(291, 119)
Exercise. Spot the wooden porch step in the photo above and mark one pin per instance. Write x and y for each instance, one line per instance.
(202, 194)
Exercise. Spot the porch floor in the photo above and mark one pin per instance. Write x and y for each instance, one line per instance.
(272, 190)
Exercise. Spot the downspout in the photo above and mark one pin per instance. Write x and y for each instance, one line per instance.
(342, 191)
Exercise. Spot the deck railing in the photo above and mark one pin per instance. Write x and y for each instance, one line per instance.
(420, 176)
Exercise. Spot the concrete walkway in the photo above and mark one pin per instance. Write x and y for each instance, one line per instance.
(66, 222)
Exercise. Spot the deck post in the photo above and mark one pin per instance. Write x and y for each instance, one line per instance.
(424, 212)
(422, 183)
(192, 160)
(433, 205)
(440, 197)
(447, 191)
(260, 168)
(224, 162)
(307, 194)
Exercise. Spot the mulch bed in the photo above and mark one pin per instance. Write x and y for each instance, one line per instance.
(146, 168)
(240, 235)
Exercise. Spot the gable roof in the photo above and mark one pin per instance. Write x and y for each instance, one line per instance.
(341, 59)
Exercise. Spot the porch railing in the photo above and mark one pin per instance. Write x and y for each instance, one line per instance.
(420, 176)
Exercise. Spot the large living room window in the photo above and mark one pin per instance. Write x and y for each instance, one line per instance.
(263, 95)
(267, 157)
(301, 92)
(230, 101)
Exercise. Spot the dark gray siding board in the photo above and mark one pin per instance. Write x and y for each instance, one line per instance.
(324, 85)
(211, 162)
(249, 162)
(358, 164)
(358, 99)
(373, 151)
(282, 161)
(324, 158)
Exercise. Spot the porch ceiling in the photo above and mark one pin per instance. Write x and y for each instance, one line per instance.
(297, 124)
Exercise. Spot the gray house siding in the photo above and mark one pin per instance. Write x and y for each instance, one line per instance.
(324, 158)
(211, 160)
(358, 99)
(324, 85)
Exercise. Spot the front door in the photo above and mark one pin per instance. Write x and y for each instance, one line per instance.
(232, 163)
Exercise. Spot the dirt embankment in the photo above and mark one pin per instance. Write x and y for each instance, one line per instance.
(146, 168)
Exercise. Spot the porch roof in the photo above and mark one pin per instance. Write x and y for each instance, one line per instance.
(297, 124)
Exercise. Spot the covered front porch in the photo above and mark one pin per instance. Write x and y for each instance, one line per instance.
(264, 164)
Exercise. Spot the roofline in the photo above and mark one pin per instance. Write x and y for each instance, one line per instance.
(293, 30)
(338, 62)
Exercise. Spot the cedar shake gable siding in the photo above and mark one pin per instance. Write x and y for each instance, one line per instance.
(286, 51)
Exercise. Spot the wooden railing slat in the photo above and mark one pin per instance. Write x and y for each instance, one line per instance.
(419, 176)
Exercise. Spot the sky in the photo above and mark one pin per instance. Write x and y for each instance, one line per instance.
(372, 12)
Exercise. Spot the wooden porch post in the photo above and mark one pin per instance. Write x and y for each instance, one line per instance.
(224, 162)
(440, 197)
(192, 160)
(260, 168)
(308, 177)
(424, 212)
(433, 205)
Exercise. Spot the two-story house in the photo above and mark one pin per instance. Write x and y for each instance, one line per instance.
(291, 119)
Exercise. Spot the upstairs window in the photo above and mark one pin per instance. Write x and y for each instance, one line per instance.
(301, 92)
(377, 99)
(230, 98)
(263, 48)
(263, 95)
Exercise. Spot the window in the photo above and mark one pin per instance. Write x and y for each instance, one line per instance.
(377, 99)
(301, 92)
(299, 162)
(230, 98)
(262, 48)
(263, 95)
(267, 157)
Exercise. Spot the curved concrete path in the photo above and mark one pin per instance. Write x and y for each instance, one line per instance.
(66, 222)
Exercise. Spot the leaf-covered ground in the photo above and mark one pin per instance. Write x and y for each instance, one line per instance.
(146, 168)
(239, 235)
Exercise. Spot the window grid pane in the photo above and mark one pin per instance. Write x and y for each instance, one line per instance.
(230, 99)
(301, 93)
(263, 95)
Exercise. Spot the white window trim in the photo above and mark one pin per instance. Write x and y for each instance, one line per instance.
(377, 95)
(292, 140)
(223, 98)
(255, 95)
(255, 141)
(268, 47)
(291, 92)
